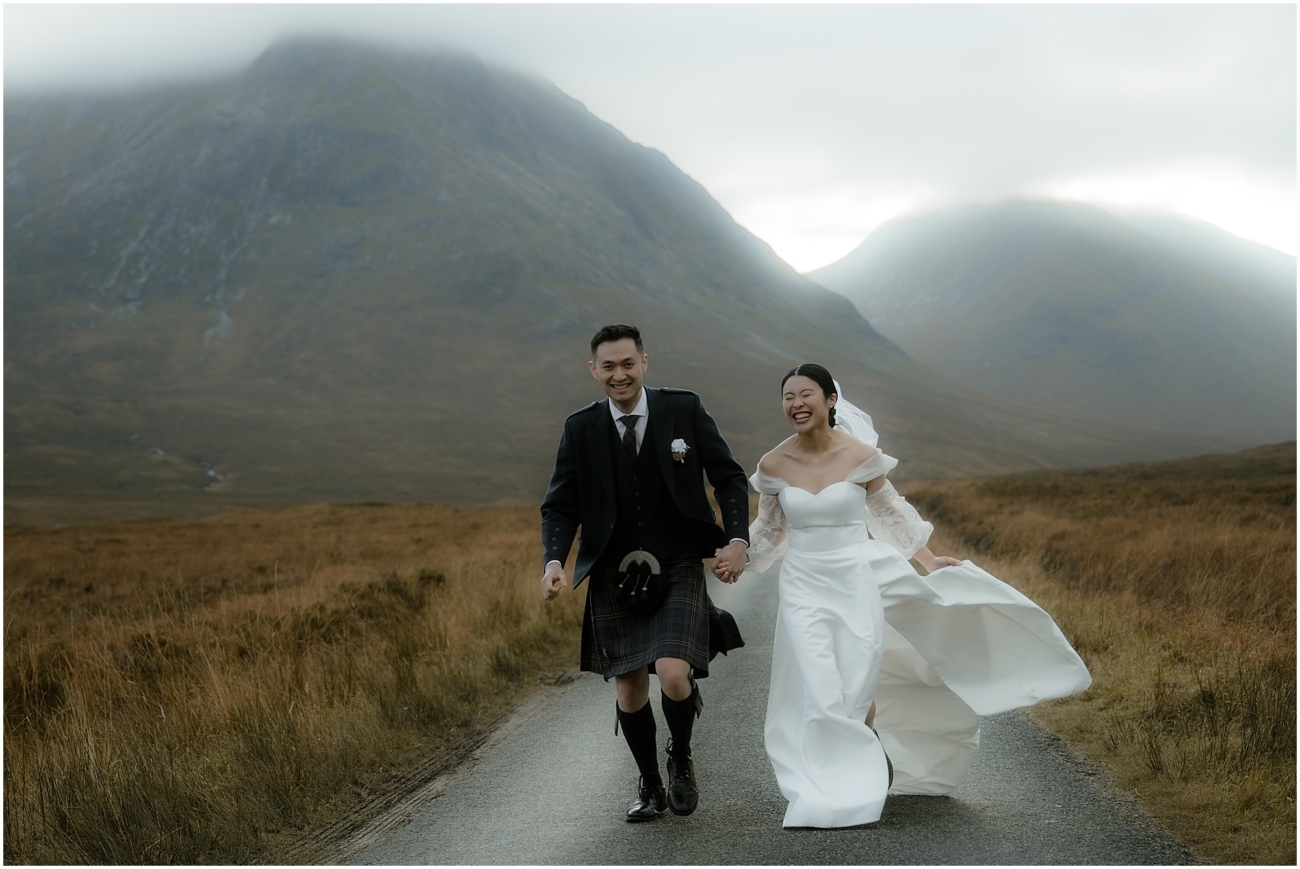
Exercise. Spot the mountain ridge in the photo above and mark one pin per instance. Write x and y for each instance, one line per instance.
(331, 278)
(1265, 271)
(1075, 310)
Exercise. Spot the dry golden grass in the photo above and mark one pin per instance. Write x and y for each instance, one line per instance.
(177, 690)
(1177, 584)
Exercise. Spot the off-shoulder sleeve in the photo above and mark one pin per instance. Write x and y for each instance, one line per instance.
(890, 519)
(768, 536)
(876, 466)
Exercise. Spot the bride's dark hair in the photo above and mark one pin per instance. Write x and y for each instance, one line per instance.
(817, 374)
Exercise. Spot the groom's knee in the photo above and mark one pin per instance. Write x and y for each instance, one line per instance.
(633, 690)
(674, 677)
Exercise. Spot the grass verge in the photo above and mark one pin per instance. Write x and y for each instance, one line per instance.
(181, 691)
(1176, 582)
(196, 691)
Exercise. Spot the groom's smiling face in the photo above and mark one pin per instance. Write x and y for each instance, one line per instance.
(620, 368)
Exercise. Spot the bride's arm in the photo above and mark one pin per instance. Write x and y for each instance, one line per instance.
(768, 536)
(894, 521)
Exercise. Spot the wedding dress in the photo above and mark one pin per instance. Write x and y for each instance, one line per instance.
(857, 623)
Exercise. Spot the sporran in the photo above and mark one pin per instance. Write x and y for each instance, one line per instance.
(643, 586)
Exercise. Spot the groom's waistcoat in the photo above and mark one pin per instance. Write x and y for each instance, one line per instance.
(646, 516)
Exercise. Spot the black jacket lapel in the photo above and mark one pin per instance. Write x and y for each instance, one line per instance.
(600, 457)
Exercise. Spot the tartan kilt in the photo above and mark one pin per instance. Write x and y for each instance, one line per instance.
(687, 626)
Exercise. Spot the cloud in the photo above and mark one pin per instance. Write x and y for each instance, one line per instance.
(815, 226)
(1147, 81)
(1248, 203)
(808, 122)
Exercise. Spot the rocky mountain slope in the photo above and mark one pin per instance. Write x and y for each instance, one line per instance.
(1177, 327)
(357, 274)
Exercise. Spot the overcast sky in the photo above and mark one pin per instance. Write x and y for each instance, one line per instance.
(812, 125)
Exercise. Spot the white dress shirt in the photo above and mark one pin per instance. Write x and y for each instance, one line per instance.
(642, 411)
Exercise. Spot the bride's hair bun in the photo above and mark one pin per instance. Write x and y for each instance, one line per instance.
(817, 374)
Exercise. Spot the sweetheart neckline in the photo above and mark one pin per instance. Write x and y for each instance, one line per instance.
(757, 479)
(819, 491)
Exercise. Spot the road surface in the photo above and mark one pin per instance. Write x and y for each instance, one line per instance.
(552, 786)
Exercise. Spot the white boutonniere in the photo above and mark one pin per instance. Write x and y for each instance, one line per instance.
(679, 449)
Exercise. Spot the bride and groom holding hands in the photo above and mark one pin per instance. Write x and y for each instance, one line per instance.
(879, 675)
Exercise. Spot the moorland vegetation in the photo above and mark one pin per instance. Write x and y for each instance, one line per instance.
(1176, 582)
(198, 691)
(191, 691)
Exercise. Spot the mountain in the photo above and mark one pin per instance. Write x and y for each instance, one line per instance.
(351, 273)
(1247, 265)
(1072, 309)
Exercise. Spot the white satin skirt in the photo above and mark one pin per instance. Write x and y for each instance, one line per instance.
(858, 624)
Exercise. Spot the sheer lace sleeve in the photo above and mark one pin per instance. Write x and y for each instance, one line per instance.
(892, 520)
(767, 535)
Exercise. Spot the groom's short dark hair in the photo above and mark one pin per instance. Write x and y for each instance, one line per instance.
(616, 332)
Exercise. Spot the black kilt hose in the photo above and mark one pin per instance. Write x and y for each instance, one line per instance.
(687, 626)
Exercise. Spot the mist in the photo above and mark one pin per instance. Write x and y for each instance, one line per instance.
(812, 125)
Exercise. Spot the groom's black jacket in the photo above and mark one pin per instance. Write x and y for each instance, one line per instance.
(582, 485)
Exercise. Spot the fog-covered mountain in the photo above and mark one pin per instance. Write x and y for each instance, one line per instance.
(1177, 326)
(1250, 266)
(352, 273)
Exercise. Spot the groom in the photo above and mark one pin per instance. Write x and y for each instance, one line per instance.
(630, 471)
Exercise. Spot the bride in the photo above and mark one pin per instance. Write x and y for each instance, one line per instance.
(879, 675)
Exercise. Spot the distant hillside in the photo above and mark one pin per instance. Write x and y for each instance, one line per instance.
(1247, 265)
(1071, 309)
(356, 274)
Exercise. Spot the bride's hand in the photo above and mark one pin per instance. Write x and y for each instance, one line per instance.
(730, 563)
(723, 571)
(941, 561)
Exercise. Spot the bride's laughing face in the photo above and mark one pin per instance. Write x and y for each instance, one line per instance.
(806, 408)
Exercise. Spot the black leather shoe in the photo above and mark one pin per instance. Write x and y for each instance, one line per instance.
(683, 794)
(651, 801)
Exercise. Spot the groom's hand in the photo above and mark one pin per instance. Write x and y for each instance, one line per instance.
(552, 580)
(730, 561)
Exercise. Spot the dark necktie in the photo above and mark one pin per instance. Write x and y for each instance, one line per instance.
(629, 433)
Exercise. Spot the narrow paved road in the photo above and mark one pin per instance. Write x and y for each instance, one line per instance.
(553, 789)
